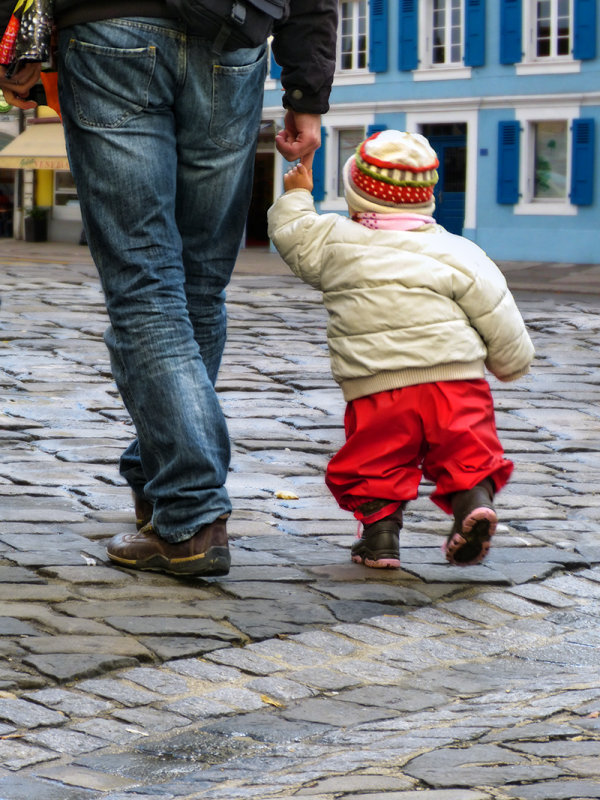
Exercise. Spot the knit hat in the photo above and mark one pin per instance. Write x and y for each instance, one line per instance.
(391, 171)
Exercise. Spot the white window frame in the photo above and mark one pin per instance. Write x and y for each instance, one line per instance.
(427, 70)
(66, 212)
(339, 165)
(336, 123)
(533, 64)
(448, 29)
(354, 4)
(528, 204)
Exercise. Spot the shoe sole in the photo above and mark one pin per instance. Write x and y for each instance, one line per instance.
(216, 561)
(480, 525)
(377, 563)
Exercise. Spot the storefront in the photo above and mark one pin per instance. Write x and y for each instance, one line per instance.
(39, 184)
(43, 185)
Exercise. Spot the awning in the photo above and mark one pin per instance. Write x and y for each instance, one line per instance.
(40, 146)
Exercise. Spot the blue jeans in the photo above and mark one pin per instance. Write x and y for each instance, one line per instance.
(161, 136)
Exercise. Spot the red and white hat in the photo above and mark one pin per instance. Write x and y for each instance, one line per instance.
(392, 171)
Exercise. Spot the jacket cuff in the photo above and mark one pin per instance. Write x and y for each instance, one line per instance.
(306, 102)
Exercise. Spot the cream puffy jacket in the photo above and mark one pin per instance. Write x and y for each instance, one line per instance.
(404, 307)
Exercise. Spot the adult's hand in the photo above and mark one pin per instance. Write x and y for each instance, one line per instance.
(16, 88)
(300, 137)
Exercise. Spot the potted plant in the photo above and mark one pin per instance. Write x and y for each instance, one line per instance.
(36, 224)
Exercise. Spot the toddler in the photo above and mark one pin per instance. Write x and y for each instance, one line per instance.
(415, 314)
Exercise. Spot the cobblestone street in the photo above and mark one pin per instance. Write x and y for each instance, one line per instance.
(300, 674)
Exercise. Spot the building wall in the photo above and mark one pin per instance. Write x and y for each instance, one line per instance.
(535, 93)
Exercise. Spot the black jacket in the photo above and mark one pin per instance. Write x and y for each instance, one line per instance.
(304, 45)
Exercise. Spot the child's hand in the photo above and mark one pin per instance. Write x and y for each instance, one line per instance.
(298, 177)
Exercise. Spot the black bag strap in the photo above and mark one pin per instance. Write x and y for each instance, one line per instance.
(274, 8)
(237, 17)
(237, 20)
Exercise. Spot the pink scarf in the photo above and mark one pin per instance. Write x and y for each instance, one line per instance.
(392, 222)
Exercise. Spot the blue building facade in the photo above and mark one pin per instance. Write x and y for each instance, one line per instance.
(507, 91)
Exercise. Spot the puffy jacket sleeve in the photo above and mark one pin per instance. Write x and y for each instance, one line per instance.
(300, 234)
(493, 312)
(304, 45)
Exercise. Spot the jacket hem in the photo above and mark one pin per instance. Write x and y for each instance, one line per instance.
(96, 11)
(398, 379)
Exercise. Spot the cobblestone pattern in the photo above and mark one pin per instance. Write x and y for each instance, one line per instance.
(300, 674)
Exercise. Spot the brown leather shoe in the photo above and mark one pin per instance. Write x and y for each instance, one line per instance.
(206, 553)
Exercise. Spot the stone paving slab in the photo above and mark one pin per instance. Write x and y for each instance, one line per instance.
(300, 674)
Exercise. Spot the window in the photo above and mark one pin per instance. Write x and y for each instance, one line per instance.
(446, 25)
(545, 174)
(441, 39)
(549, 35)
(546, 161)
(66, 203)
(550, 160)
(353, 36)
(65, 193)
(551, 27)
(542, 36)
(348, 141)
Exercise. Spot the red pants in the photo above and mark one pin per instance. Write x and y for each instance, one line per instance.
(444, 431)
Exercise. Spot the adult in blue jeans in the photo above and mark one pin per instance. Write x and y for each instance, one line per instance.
(161, 133)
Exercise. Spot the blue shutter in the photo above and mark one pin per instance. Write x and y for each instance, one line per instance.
(584, 40)
(475, 33)
(275, 71)
(582, 162)
(375, 128)
(378, 35)
(508, 163)
(511, 24)
(318, 168)
(408, 57)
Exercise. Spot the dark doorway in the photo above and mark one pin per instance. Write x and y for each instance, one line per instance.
(450, 143)
(262, 198)
(6, 202)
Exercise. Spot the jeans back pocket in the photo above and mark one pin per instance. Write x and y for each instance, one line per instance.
(237, 102)
(109, 84)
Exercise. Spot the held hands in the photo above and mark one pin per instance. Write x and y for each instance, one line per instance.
(300, 137)
(16, 88)
(298, 177)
